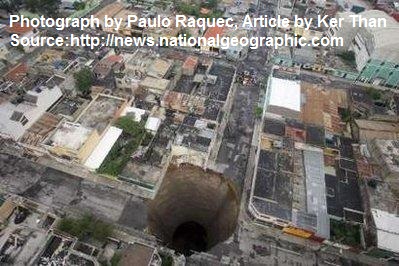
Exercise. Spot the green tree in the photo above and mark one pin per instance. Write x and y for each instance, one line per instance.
(258, 112)
(79, 5)
(84, 80)
(346, 115)
(46, 7)
(374, 93)
(10, 5)
(129, 126)
(349, 57)
(87, 226)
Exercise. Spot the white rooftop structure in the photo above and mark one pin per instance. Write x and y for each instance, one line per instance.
(105, 145)
(138, 113)
(152, 124)
(17, 118)
(387, 230)
(285, 93)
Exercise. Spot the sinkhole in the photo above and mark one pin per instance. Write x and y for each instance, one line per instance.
(194, 209)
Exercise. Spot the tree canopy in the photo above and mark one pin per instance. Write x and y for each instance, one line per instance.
(85, 227)
(84, 80)
(46, 7)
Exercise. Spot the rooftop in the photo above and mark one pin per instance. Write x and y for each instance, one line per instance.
(159, 68)
(57, 191)
(285, 93)
(17, 73)
(105, 145)
(100, 112)
(155, 83)
(137, 254)
(17, 117)
(213, 32)
(18, 29)
(389, 151)
(316, 190)
(70, 135)
(387, 230)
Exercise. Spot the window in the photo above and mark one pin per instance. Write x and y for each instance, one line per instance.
(330, 192)
(24, 120)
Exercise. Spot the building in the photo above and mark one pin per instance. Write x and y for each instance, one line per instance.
(381, 72)
(6, 210)
(386, 154)
(152, 125)
(190, 65)
(375, 48)
(288, 189)
(18, 73)
(344, 200)
(72, 140)
(101, 151)
(387, 226)
(366, 130)
(237, 52)
(316, 190)
(109, 10)
(77, 140)
(212, 33)
(155, 85)
(17, 117)
(345, 31)
(103, 71)
(159, 68)
(137, 113)
(139, 255)
(184, 102)
(283, 97)
(376, 43)
(23, 31)
(328, 102)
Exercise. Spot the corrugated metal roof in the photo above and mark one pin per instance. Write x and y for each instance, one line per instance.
(101, 151)
(316, 190)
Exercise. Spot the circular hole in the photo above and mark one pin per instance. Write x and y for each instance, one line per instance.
(194, 209)
(188, 237)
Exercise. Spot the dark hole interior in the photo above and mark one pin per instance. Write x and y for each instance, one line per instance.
(194, 209)
(188, 237)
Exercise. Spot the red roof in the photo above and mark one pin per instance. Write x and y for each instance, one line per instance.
(18, 73)
(213, 32)
(18, 29)
(191, 62)
(114, 58)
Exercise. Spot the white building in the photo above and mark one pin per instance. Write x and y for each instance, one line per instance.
(284, 97)
(101, 151)
(345, 31)
(387, 225)
(152, 125)
(133, 111)
(376, 42)
(15, 119)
